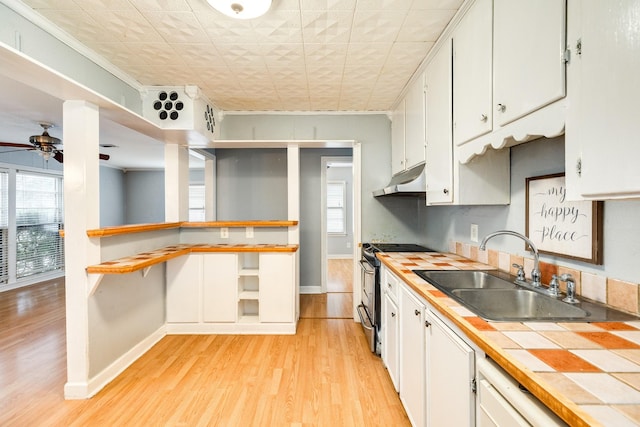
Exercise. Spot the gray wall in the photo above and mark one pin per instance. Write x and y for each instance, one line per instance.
(391, 219)
(340, 245)
(540, 157)
(144, 197)
(251, 184)
(112, 197)
(27, 158)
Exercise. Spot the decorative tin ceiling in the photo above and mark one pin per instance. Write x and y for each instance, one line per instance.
(303, 55)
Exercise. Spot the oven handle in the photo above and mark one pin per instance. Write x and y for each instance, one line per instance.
(367, 267)
(364, 324)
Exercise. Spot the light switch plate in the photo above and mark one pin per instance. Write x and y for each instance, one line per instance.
(474, 233)
(224, 233)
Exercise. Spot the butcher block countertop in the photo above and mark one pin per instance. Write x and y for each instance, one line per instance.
(587, 373)
(143, 260)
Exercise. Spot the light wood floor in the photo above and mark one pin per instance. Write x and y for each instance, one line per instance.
(322, 376)
(337, 303)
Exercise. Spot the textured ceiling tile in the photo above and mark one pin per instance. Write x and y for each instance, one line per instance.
(385, 4)
(282, 55)
(328, 4)
(77, 23)
(326, 27)
(368, 53)
(125, 25)
(160, 5)
(230, 31)
(105, 4)
(407, 55)
(153, 54)
(52, 4)
(283, 27)
(245, 55)
(377, 25)
(361, 75)
(425, 25)
(351, 104)
(177, 27)
(436, 4)
(199, 54)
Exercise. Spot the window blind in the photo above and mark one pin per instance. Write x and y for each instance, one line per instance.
(336, 207)
(39, 219)
(196, 202)
(4, 226)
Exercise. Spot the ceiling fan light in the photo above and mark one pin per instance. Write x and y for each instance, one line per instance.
(241, 9)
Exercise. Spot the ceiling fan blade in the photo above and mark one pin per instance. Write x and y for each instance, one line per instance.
(104, 156)
(58, 156)
(16, 145)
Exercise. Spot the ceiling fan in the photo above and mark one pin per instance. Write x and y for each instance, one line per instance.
(45, 145)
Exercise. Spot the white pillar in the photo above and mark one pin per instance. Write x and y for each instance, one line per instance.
(210, 195)
(176, 183)
(81, 212)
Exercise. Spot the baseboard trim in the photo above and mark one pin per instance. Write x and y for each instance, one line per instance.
(310, 289)
(85, 390)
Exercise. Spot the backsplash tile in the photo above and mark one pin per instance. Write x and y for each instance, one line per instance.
(594, 287)
(616, 293)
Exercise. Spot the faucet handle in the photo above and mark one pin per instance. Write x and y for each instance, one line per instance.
(554, 286)
(571, 289)
(520, 274)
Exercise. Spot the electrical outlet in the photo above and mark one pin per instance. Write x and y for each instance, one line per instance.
(474, 233)
(249, 232)
(224, 233)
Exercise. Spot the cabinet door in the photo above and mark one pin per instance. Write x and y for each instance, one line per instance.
(397, 139)
(415, 124)
(602, 147)
(450, 373)
(219, 287)
(412, 357)
(439, 144)
(277, 287)
(472, 61)
(390, 326)
(184, 278)
(528, 69)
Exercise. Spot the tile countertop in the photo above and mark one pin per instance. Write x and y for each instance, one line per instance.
(588, 373)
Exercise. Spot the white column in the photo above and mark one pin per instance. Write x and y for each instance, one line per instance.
(176, 183)
(210, 195)
(81, 212)
(293, 211)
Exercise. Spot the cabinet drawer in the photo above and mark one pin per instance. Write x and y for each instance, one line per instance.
(390, 285)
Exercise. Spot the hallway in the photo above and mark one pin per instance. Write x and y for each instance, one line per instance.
(337, 303)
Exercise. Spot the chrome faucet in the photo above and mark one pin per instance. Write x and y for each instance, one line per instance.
(535, 273)
(571, 289)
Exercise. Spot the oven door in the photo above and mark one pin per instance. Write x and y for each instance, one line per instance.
(367, 305)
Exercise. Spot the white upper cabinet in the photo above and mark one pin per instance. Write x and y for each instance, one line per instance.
(439, 163)
(415, 124)
(601, 141)
(397, 139)
(528, 65)
(472, 62)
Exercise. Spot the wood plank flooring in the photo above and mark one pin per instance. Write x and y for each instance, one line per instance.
(337, 303)
(322, 376)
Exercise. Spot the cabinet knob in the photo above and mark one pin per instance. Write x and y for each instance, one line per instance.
(483, 117)
(501, 108)
(393, 314)
(579, 167)
(416, 312)
(389, 285)
(445, 191)
(427, 323)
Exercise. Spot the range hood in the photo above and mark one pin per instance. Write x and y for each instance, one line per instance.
(411, 182)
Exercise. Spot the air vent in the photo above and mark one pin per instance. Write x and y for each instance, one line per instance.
(180, 108)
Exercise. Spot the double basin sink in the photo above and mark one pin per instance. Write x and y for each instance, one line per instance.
(494, 296)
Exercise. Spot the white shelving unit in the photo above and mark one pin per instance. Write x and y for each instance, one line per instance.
(248, 287)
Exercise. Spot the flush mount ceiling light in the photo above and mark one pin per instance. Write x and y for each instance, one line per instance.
(241, 9)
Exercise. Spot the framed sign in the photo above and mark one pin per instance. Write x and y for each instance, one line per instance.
(560, 227)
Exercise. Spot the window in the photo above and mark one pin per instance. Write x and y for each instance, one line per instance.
(39, 219)
(336, 207)
(4, 226)
(196, 202)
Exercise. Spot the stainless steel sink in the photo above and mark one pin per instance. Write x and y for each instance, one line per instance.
(517, 305)
(494, 296)
(462, 279)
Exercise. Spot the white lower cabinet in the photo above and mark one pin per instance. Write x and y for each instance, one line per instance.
(391, 330)
(412, 356)
(450, 376)
(231, 293)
